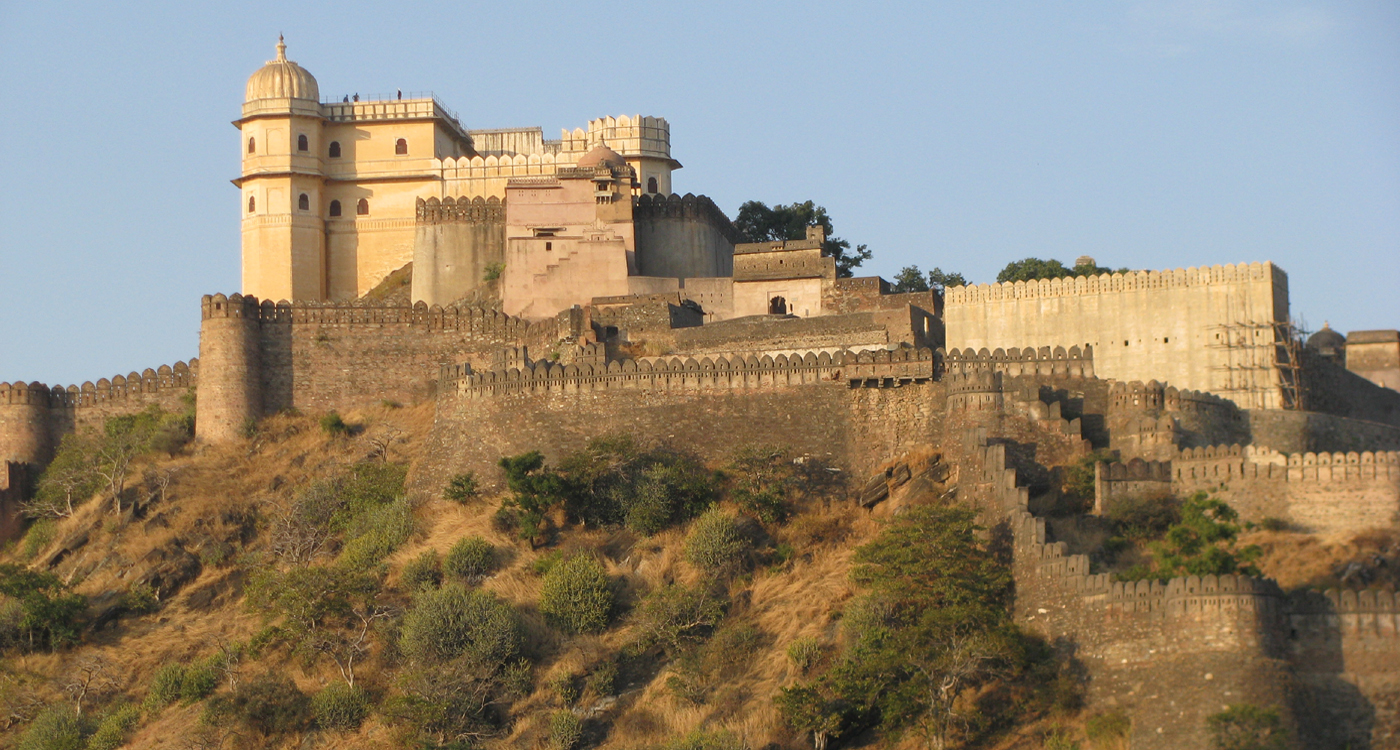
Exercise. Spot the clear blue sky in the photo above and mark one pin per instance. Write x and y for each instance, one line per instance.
(964, 135)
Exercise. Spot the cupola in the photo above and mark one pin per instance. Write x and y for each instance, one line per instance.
(282, 79)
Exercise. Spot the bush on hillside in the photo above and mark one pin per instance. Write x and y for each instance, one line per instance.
(455, 621)
(719, 739)
(565, 730)
(676, 617)
(535, 490)
(577, 596)
(42, 611)
(270, 705)
(339, 706)
(763, 480)
(470, 559)
(422, 572)
(57, 727)
(1202, 543)
(715, 543)
(1247, 727)
(333, 425)
(113, 729)
(614, 481)
(375, 534)
(462, 488)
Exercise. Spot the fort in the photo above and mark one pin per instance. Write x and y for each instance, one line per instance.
(559, 290)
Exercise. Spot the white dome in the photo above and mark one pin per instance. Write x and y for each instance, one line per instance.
(282, 79)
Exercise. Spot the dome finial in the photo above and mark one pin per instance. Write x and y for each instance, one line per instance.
(281, 49)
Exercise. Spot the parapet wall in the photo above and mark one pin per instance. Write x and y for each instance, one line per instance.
(321, 356)
(1043, 362)
(1207, 329)
(34, 417)
(1318, 492)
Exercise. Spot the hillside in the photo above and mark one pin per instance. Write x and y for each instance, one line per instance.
(178, 616)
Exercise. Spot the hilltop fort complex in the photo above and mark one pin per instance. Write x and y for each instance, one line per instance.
(559, 289)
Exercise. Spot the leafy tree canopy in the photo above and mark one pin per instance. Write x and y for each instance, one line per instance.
(1201, 543)
(757, 222)
(911, 279)
(1030, 269)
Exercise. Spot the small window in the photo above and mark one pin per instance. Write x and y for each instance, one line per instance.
(401, 147)
(548, 246)
(252, 204)
(304, 203)
(302, 145)
(335, 149)
(335, 208)
(252, 145)
(362, 208)
(651, 184)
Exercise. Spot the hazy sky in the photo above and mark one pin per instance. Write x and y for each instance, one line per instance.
(954, 134)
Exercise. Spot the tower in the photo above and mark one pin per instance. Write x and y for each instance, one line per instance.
(230, 386)
(282, 184)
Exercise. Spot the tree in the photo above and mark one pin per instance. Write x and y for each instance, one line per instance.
(48, 613)
(756, 222)
(911, 279)
(933, 624)
(71, 476)
(535, 490)
(1201, 543)
(91, 678)
(1030, 269)
(322, 610)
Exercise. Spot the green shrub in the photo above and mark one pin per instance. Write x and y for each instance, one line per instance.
(1270, 523)
(546, 562)
(340, 706)
(37, 537)
(714, 543)
(675, 617)
(454, 621)
(493, 271)
(422, 572)
(200, 680)
(1201, 543)
(112, 730)
(614, 481)
(565, 730)
(1106, 730)
(535, 490)
(165, 687)
(140, 599)
(270, 704)
(602, 680)
(577, 596)
(377, 533)
(333, 425)
(1144, 516)
(1247, 727)
(57, 727)
(48, 612)
(564, 687)
(470, 559)
(763, 479)
(462, 488)
(804, 653)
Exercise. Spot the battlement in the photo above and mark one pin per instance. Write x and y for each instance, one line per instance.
(630, 136)
(419, 315)
(462, 210)
(688, 206)
(1152, 395)
(1056, 362)
(1114, 283)
(866, 368)
(1223, 463)
(180, 376)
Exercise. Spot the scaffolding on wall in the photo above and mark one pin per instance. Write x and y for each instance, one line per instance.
(1264, 361)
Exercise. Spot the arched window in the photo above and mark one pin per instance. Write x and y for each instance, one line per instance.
(335, 208)
(252, 145)
(777, 306)
(304, 203)
(252, 204)
(362, 208)
(401, 147)
(651, 184)
(301, 143)
(335, 149)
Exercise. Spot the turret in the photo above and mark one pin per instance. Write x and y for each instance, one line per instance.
(24, 424)
(282, 185)
(230, 377)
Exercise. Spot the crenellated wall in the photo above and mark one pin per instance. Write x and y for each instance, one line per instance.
(1317, 492)
(321, 356)
(1210, 329)
(34, 417)
(454, 245)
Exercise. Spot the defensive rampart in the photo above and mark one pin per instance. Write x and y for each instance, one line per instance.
(14, 485)
(263, 357)
(1209, 329)
(34, 417)
(1173, 653)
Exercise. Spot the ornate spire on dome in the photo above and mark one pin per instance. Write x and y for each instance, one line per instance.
(281, 49)
(282, 79)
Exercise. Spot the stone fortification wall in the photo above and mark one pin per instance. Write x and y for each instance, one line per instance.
(319, 357)
(15, 478)
(1169, 654)
(771, 335)
(852, 409)
(650, 317)
(1318, 492)
(34, 417)
(455, 242)
(682, 237)
(1303, 431)
(1152, 420)
(1207, 329)
(1345, 646)
(1331, 389)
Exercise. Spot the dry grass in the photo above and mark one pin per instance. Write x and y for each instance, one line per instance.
(1298, 560)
